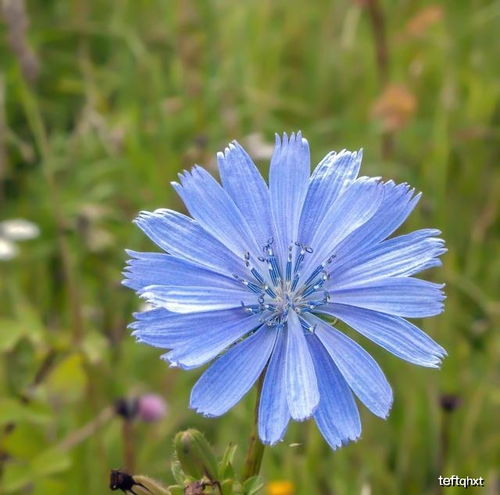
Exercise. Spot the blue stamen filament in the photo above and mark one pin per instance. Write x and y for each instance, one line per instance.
(288, 294)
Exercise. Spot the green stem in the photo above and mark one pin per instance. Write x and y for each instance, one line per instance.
(255, 450)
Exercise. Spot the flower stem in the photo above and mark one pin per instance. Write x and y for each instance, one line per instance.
(255, 450)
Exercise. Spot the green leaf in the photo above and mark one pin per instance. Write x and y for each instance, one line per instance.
(176, 489)
(25, 441)
(68, 378)
(51, 461)
(13, 411)
(226, 464)
(11, 331)
(94, 346)
(252, 485)
(177, 472)
(16, 476)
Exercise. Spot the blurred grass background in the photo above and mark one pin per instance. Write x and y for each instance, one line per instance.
(102, 103)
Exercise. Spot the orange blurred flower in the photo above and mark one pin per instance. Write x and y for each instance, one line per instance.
(394, 107)
(423, 19)
(280, 487)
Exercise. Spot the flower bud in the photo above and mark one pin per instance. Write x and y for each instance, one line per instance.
(195, 454)
(151, 408)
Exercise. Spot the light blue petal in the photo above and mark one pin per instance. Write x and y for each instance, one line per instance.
(351, 210)
(244, 183)
(184, 237)
(337, 415)
(209, 343)
(360, 370)
(216, 212)
(398, 202)
(233, 374)
(397, 257)
(288, 181)
(393, 333)
(181, 299)
(301, 384)
(161, 328)
(329, 180)
(273, 407)
(401, 296)
(145, 269)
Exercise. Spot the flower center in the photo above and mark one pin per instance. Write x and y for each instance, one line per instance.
(279, 291)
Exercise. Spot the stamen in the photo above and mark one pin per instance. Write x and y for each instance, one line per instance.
(272, 264)
(289, 264)
(253, 287)
(317, 284)
(269, 291)
(252, 308)
(257, 275)
(306, 325)
(315, 273)
(300, 257)
(295, 281)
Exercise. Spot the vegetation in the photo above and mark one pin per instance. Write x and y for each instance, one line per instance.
(103, 103)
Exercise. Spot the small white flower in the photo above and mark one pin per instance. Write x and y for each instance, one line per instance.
(15, 229)
(8, 250)
(18, 229)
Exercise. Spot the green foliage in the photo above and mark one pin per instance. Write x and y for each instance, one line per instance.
(130, 93)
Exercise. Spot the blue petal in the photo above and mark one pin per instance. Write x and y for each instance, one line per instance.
(398, 202)
(354, 208)
(216, 212)
(397, 257)
(182, 299)
(301, 385)
(360, 370)
(337, 415)
(209, 343)
(244, 183)
(329, 180)
(400, 296)
(184, 237)
(288, 180)
(273, 407)
(145, 269)
(161, 328)
(233, 374)
(393, 333)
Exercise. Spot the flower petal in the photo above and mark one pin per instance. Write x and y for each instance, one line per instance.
(352, 209)
(301, 384)
(244, 183)
(233, 374)
(209, 344)
(161, 328)
(184, 237)
(397, 203)
(359, 369)
(288, 180)
(393, 333)
(145, 269)
(329, 180)
(216, 212)
(337, 415)
(273, 407)
(397, 257)
(181, 299)
(400, 296)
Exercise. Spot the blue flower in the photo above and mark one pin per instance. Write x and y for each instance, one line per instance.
(254, 277)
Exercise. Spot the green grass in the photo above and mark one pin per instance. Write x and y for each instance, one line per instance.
(132, 92)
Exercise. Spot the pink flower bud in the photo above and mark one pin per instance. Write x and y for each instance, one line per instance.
(152, 408)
